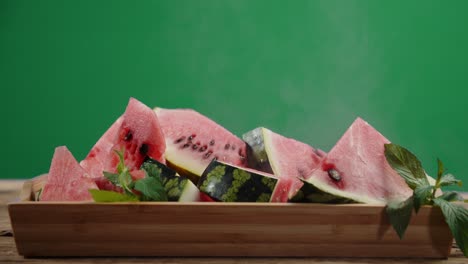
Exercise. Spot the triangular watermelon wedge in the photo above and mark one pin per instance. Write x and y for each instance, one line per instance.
(356, 169)
(194, 140)
(286, 158)
(137, 132)
(67, 180)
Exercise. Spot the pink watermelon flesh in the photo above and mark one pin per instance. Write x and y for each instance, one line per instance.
(137, 132)
(288, 158)
(193, 140)
(98, 157)
(359, 160)
(66, 180)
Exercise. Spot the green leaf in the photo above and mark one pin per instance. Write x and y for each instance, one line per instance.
(406, 164)
(449, 179)
(451, 196)
(440, 169)
(399, 214)
(112, 177)
(121, 165)
(151, 189)
(125, 178)
(422, 195)
(457, 219)
(109, 196)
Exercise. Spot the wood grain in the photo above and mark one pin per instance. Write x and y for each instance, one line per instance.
(222, 229)
(8, 252)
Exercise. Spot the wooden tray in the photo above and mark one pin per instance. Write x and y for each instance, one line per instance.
(220, 229)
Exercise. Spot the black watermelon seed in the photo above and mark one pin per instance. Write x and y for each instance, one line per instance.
(144, 149)
(128, 136)
(191, 137)
(334, 175)
(208, 154)
(186, 145)
(195, 146)
(227, 146)
(203, 148)
(212, 142)
(177, 141)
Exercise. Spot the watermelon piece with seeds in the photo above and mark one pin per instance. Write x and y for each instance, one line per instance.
(356, 170)
(137, 132)
(193, 141)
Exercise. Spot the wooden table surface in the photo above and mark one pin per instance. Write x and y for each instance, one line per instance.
(9, 191)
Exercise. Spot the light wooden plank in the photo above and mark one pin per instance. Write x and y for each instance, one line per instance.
(222, 229)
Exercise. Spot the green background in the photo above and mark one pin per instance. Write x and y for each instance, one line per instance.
(305, 69)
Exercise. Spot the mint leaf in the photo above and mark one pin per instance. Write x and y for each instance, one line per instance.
(406, 164)
(112, 177)
(451, 196)
(449, 179)
(151, 189)
(125, 179)
(122, 178)
(121, 165)
(422, 195)
(399, 214)
(457, 219)
(440, 169)
(109, 196)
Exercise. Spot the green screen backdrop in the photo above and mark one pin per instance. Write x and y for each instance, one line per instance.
(305, 69)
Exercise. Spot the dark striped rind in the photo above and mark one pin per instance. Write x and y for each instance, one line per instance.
(311, 194)
(227, 183)
(173, 183)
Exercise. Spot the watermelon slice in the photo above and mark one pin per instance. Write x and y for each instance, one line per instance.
(66, 180)
(356, 169)
(137, 132)
(286, 158)
(193, 141)
(98, 157)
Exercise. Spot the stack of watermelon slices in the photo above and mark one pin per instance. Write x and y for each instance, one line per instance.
(263, 166)
(137, 131)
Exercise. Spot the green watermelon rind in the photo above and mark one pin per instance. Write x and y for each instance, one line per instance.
(178, 188)
(343, 194)
(309, 193)
(327, 194)
(227, 183)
